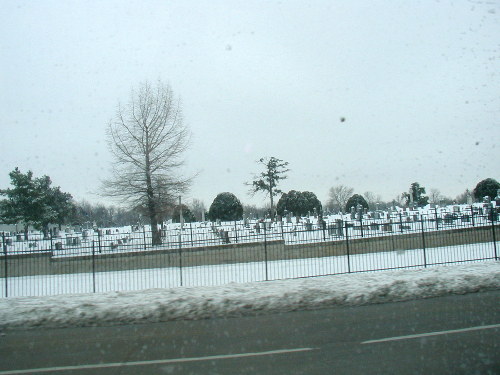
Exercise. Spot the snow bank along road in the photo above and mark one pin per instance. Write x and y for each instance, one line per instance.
(191, 303)
(454, 334)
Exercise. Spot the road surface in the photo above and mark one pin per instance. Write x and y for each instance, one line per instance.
(446, 335)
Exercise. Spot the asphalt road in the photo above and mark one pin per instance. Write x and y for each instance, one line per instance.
(447, 335)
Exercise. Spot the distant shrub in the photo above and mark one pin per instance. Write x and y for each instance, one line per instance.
(226, 207)
(300, 203)
(354, 200)
(487, 187)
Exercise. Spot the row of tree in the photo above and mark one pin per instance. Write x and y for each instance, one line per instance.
(340, 195)
(147, 139)
(35, 202)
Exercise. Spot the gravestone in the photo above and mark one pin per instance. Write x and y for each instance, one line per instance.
(340, 227)
(225, 236)
(387, 227)
(308, 225)
(360, 211)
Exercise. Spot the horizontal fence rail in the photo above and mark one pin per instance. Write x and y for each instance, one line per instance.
(214, 253)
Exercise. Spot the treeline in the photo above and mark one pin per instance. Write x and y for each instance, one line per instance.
(35, 202)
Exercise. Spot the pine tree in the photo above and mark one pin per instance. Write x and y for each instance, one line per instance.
(32, 201)
(267, 181)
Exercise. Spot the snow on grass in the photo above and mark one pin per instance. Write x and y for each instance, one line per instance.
(156, 305)
(210, 275)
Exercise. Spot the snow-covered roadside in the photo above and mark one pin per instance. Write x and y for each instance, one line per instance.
(155, 305)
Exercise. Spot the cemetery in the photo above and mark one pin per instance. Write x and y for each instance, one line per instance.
(81, 260)
(203, 243)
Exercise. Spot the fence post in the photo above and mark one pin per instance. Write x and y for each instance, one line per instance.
(93, 265)
(400, 222)
(5, 265)
(191, 232)
(361, 224)
(436, 217)
(472, 215)
(180, 257)
(99, 240)
(492, 231)
(144, 235)
(423, 240)
(265, 250)
(347, 246)
(235, 232)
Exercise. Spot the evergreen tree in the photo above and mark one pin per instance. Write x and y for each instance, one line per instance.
(416, 194)
(226, 207)
(299, 203)
(354, 200)
(267, 181)
(32, 201)
(486, 188)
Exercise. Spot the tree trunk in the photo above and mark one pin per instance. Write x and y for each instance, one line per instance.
(272, 203)
(155, 234)
(26, 232)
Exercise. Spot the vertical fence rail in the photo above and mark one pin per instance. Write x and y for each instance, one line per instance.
(180, 259)
(347, 247)
(6, 267)
(494, 236)
(265, 251)
(93, 266)
(423, 241)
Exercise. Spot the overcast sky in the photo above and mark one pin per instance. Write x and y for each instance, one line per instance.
(417, 82)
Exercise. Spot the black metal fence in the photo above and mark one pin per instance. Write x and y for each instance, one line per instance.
(112, 259)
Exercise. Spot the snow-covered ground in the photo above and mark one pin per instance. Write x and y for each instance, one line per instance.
(155, 305)
(240, 272)
(292, 231)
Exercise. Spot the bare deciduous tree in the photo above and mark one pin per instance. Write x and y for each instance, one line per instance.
(198, 209)
(339, 195)
(372, 199)
(147, 139)
(435, 196)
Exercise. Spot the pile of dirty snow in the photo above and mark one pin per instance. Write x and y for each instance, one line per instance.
(156, 305)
